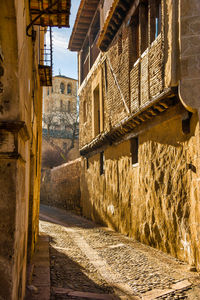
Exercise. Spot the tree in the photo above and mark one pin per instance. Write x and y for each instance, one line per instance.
(59, 123)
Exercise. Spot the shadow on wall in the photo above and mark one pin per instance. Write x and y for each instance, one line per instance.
(156, 202)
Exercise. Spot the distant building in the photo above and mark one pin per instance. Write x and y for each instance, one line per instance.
(139, 83)
(60, 124)
(60, 104)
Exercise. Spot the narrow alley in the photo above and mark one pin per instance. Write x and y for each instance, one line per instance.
(92, 262)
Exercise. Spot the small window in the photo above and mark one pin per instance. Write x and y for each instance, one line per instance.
(69, 88)
(48, 92)
(102, 158)
(96, 111)
(52, 89)
(158, 18)
(144, 25)
(134, 150)
(62, 88)
(87, 163)
(134, 53)
(95, 28)
(61, 104)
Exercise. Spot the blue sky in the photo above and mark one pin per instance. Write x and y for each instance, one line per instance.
(65, 61)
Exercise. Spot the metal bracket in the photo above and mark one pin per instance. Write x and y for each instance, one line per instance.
(32, 35)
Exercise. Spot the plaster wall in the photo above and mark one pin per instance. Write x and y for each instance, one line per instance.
(20, 143)
(155, 201)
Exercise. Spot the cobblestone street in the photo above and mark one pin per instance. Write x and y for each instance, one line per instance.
(91, 262)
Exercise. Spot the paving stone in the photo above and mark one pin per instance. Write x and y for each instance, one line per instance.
(93, 260)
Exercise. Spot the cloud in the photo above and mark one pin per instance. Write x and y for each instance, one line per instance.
(60, 41)
(63, 59)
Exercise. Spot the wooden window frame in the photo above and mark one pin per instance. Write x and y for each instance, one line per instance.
(134, 39)
(134, 150)
(102, 163)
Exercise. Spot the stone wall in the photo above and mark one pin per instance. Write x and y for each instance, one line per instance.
(155, 201)
(60, 186)
(53, 96)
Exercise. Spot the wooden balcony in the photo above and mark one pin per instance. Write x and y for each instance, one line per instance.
(50, 12)
(46, 59)
(45, 73)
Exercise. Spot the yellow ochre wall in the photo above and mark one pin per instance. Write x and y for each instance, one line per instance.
(20, 147)
(156, 201)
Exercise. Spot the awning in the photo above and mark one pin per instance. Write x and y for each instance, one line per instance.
(50, 12)
(84, 18)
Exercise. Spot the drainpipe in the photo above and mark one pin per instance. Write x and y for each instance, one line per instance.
(189, 86)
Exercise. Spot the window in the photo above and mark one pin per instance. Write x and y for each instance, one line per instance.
(158, 18)
(95, 28)
(155, 19)
(134, 39)
(61, 104)
(96, 111)
(87, 163)
(69, 88)
(102, 158)
(48, 92)
(85, 60)
(134, 150)
(52, 89)
(62, 88)
(143, 16)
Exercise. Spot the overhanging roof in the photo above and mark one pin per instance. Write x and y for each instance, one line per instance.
(82, 23)
(123, 130)
(116, 15)
(50, 12)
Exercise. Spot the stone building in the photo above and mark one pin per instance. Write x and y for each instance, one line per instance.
(59, 99)
(60, 120)
(139, 83)
(23, 72)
